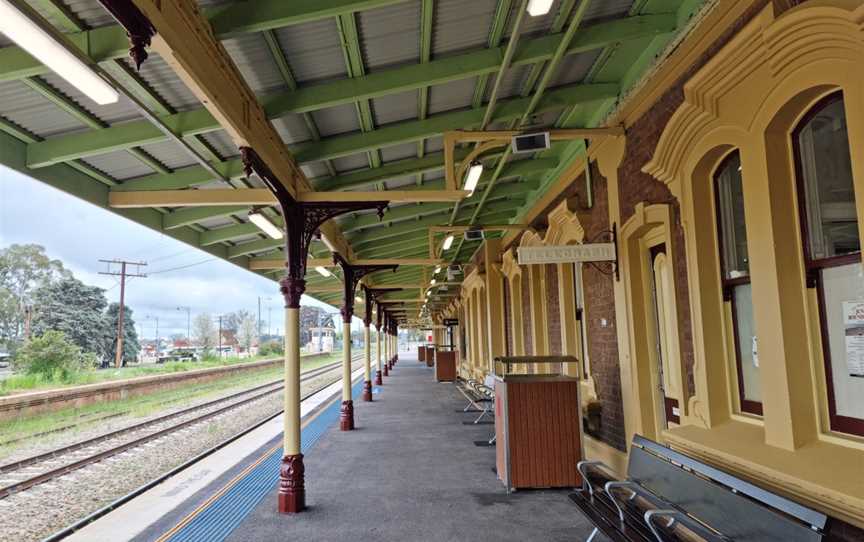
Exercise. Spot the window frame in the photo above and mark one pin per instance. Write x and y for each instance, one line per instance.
(728, 286)
(813, 268)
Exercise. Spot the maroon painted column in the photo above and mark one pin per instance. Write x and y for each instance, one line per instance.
(351, 275)
(379, 381)
(302, 221)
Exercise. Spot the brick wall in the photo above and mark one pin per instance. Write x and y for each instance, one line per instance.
(526, 312)
(602, 338)
(553, 310)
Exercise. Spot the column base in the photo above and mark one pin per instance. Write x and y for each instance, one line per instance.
(386, 369)
(378, 380)
(367, 390)
(292, 485)
(346, 416)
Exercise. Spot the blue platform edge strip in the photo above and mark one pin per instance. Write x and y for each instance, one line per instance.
(225, 514)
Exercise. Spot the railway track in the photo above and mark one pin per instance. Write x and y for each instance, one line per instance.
(26, 473)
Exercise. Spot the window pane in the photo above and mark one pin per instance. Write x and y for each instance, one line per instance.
(829, 195)
(733, 233)
(843, 288)
(748, 348)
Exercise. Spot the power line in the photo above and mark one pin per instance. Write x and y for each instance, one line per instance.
(181, 267)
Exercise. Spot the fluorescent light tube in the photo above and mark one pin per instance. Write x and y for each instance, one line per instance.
(437, 270)
(264, 224)
(358, 299)
(448, 242)
(433, 282)
(323, 271)
(19, 28)
(473, 177)
(537, 8)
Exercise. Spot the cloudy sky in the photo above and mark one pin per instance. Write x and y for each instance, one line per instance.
(80, 234)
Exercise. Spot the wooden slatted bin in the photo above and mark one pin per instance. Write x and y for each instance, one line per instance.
(537, 428)
(445, 366)
(421, 353)
(430, 356)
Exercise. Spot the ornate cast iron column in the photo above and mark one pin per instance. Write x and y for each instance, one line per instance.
(302, 221)
(378, 315)
(387, 344)
(367, 359)
(351, 275)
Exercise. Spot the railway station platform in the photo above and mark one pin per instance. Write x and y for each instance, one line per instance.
(409, 471)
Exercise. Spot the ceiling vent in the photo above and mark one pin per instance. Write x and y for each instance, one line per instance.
(530, 142)
(474, 235)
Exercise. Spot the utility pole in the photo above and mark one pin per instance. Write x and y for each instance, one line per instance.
(122, 273)
(188, 323)
(259, 321)
(220, 336)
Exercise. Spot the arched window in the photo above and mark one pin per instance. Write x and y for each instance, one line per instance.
(735, 277)
(832, 255)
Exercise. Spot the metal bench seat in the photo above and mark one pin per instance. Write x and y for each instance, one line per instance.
(669, 496)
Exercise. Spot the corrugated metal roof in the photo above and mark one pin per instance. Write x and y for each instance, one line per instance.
(401, 182)
(460, 25)
(395, 107)
(399, 152)
(511, 83)
(315, 170)
(337, 120)
(218, 222)
(165, 82)
(90, 12)
(353, 162)
(119, 164)
(292, 128)
(122, 110)
(313, 50)
(574, 68)
(170, 154)
(390, 35)
(435, 144)
(607, 9)
(253, 59)
(222, 143)
(29, 110)
(453, 95)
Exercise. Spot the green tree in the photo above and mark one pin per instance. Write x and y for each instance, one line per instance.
(204, 332)
(247, 332)
(130, 336)
(74, 308)
(52, 356)
(23, 270)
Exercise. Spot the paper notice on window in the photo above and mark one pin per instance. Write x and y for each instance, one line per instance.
(853, 322)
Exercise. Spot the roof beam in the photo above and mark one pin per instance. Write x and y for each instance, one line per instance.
(256, 264)
(263, 196)
(123, 136)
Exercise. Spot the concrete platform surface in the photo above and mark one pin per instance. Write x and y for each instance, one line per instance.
(411, 471)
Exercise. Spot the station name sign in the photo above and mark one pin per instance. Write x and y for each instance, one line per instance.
(594, 252)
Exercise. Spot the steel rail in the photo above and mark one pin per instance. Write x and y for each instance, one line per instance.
(83, 522)
(95, 458)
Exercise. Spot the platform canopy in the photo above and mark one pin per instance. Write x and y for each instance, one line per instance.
(361, 92)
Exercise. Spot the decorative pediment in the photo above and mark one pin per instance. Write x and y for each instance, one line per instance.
(564, 227)
(509, 266)
(727, 94)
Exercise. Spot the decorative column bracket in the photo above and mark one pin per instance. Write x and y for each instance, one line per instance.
(302, 221)
(138, 27)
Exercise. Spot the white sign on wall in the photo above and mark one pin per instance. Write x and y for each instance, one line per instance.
(594, 252)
